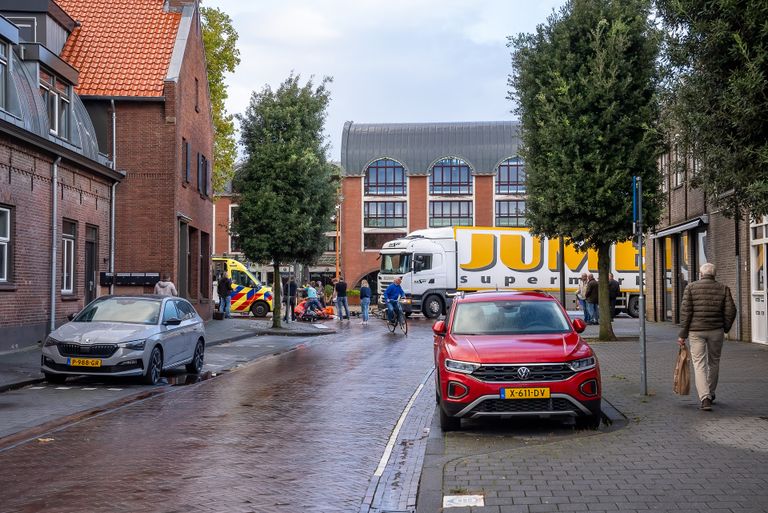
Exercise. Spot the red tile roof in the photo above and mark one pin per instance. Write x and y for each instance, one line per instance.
(122, 47)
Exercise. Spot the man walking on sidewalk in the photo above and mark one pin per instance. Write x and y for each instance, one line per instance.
(706, 314)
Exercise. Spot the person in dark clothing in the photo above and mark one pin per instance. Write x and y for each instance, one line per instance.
(614, 291)
(224, 289)
(591, 296)
(290, 299)
(365, 301)
(706, 314)
(341, 298)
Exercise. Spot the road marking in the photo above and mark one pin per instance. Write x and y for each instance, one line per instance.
(63, 388)
(89, 388)
(36, 388)
(115, 389)
(463, 501)
(396, 431)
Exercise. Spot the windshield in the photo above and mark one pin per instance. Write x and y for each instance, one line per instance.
(509, 318)
(396, 264)
(121, 309)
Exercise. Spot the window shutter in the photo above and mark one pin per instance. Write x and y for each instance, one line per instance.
(199, 172)
(207, 178)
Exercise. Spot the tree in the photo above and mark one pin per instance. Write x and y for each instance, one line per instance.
(287, 190)
(718, 58)
(585, 90)
(221, 56)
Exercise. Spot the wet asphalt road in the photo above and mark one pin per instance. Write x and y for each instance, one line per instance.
(303, 431)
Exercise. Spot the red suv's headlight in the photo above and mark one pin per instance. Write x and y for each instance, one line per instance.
(583, 364)
(462, 367)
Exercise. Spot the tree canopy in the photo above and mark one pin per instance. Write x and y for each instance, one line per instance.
(718, 101)
(222, 56)
(585, 86)
(287, 190)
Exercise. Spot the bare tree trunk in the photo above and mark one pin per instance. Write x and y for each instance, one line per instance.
(604, 300)
(276, 295)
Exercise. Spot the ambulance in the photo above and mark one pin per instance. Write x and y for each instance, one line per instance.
(249, 295)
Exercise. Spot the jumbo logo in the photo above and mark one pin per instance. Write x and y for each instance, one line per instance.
(519, 251)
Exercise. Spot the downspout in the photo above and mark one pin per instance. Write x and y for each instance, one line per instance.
(112, 204)
(54, 237)
(737, 241)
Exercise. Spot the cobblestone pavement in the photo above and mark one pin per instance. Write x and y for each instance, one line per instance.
(671, 457)
(302, 431)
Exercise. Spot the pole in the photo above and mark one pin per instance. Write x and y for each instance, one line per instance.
(561, 266)
(641, 299)
(338, 236)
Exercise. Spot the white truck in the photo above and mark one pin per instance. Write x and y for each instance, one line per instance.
(438, 263)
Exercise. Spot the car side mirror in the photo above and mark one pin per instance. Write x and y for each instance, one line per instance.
(439, 328)
(71, 317)
(173, 321)
(579, 325)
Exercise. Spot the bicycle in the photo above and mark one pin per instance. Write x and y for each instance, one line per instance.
(400, 321)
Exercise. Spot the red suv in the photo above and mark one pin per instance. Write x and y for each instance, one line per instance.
(510, 354)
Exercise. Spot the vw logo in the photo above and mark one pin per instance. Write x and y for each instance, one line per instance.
(523, 372)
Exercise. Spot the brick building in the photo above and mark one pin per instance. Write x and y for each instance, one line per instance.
(693, 232)
(144, 83)
(398, 178)
(56, 189)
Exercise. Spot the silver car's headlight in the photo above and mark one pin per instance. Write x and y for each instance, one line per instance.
(50, 341)
(583, 364)
(462, 367)
(136, 345)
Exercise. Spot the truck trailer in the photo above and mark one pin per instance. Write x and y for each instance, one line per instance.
(438, 263)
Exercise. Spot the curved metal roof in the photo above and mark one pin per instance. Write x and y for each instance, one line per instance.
(417, 146)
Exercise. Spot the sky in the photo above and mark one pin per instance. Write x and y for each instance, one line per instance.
(392, 61)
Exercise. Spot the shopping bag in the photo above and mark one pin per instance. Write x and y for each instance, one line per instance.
(682, 379)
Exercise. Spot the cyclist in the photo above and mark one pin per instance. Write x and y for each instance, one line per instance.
(392, 295)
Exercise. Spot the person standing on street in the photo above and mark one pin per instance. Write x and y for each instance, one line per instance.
(320, 293)
(341, 298)
(365, 300)
(581, 296)
(706, 314)
(165, 287)
(290, 300)
(591, 295)
(614, 291)
(224, 289)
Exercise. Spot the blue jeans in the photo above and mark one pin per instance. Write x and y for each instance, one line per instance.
(391, 307)
(583, 305)
(594, 312)
(365, 303)
(342, 301)
(225, 305)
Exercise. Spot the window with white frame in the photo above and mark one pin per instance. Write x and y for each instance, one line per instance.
(678, 165)
(384, 177)
(5, 244)
(384, 214)
(450, 176)
(510, 177)
(450, 213)
(68, 238)
(56, 94)
(510, 213)
(234, 243)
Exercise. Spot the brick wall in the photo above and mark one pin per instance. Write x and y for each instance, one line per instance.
(484, 200)
(25, 186)
(417, 203)
(221, 225)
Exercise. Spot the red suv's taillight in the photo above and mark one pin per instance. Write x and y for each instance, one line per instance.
(589, 388)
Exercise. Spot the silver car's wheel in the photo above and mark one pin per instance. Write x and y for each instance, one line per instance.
(154, 367)
(196, 365)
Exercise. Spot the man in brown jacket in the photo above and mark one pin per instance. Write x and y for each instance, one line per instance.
(706, 314)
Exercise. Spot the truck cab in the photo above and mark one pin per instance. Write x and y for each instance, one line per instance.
(248, 294)
(423, 260)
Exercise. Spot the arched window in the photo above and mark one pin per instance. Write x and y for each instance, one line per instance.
(384, 177)
(510, 177)
(450, 177)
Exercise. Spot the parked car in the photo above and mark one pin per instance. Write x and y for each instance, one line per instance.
(126, 336)
(507, 354)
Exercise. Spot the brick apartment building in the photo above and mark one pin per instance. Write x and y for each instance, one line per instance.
(693, 232)
(398, 178)
(56, 189)
(144, 82)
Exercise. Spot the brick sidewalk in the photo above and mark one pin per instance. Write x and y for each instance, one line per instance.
(671, 457)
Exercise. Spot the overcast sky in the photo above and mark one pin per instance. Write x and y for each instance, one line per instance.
(391, 61)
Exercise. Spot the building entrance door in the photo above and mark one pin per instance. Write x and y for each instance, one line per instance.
(759, 261)
(91, 254)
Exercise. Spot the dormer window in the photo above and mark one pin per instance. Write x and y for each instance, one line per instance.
(57, 96)
(3, 75)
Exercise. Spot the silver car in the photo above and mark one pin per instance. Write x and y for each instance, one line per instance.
(126, 336)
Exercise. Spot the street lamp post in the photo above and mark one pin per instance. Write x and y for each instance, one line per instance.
(338, 238)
